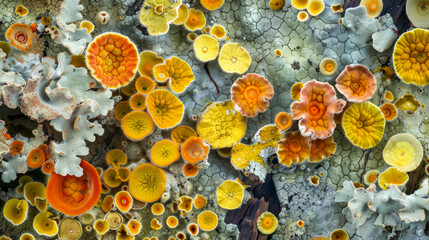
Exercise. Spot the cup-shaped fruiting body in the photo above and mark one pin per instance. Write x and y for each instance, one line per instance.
(221, 126)
(22, 181)
(300, 223)
(251, 93)
(373, 7)
(328, 66)
(165, 109)
(123, 201)
(21, 11)
(74, 195)
(363, 124)
(172, 222)
(218, 31)
(27, 236)
(357, 83)
(69, 229)
(111, 178)
(206, 48)
(370, 177)
(122, 109)
(314, 180)
(145, 85)
(88, 25)
(418, 12)
(294, 148)
(410, 56)
(33, 191)
(283, 121)
(322, 148)
(277, 4)
(15, 211)
(302, 16)
(116, 158)
(212, 5)
(339, 234)
(185, 203)
(114, 220)
(315, 7)
(196, 20)
(393, 176)
(193, 229)
(41, 204)
(148, 60)
(19, 36)
(408, 103)
(183, 12)
(207, 220)
(102, 17)
(124, 174)
(337, 8)
(44, 225)
(122, 233)
(200, 201)
(267, 223)
(180, 235)
(101, 226)
(195, 149)
(134, 226)
(129, 89)
(233, 58)
(403, 151)
(165, 152)
(190, 170)
(295, 91)
(16, 147)
(389, 111)
(36, 158)
(156, 15)
(138, 102)
(181, 133)
(299, 4)
(147, 183)
(155, 224)
(224, 152)
(112, 59)
(157, 209)
(137, 125)
(230, 194)
(388, 96)
(177, 72)
(108, 203)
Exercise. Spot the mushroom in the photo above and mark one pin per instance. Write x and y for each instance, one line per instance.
(148, 59)
(418, 12)
(181, 133)
(193, 229)
(138, 102)
(69, 229)
(190, 170)
(44, 225)
(218, 31)
(172, 222)
(328, 66)
(315, 7)
(233, 58)
(157, 15)
(357, 83)
(145, 85)
(101, 226)
(134, 226)
(283, 121)
(122, 109)
(116, 158)
(15, 211)
(176, 72)
(185, 204)
(195, 149)
(123, 201)
(200, 201)
(393, 176)
(20, 36)
(294, 148)
(157, 209)
(370, 177)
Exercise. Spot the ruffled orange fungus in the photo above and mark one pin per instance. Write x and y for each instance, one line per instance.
(357, 83)
(251, 94)
(48, 167)
(322, 148)
(74, 195)
(294, 148)
(36, 158)
(16, 147)
(389, 111)
(316, 108)
(20, 35)
(112, 59)
(195, 149)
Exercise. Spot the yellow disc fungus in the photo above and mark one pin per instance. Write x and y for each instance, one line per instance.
(300, 223)
(69, 229)
(20, 36)
(314, 180)
(21, 11)
(322, 148)
(408, 104)
(339, 234)
(230, 194)
(299, 4)
(114, 220)
(165, 109)
(294, 148)
(389, 111)
(315, 7)
(137, 125)
(191, 37)
(155, 224)
(233, 58)
(373, 7)
(267, 223)
(277, 4)
(183, 12)
(116, 158)
(393, 176)
(27, 236)
(190, 170)
(328, 66)
(295, 91)
(124, 174)
(145, 85)
(15, 211)
(388, 96)
(196, 20)
(165, 152)
(157, 15)
(370, 177)
(200, 201)
(181, 133)
(337, 8)
(218, 31)
(134, 226)
(418, 12)
(193, 229)
(207, 220)
(101, 226)
(283, 121)
(111, 178)
(138, 102)
(36, 158)
(147, 183)
(44, 225)
(212, 5)
(403, 151)
(206, 48)
(185, 203)
(279, 52)
(176, 72)
(172, 222)
(88, 25)
(108, 203)
(148, 60)
(221, 126)
(157, 209)
(194, 150)
(34, 190)
(364, 124)
(410, 56)
(41, 204)
(123, 201)
(122, 109)
(303, 16)
(22, 181)
(112, 59)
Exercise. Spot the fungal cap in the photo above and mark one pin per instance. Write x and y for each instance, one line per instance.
(15, 211)
(167, 113)
(22, 181)
(200, 201)
(300, 223)
(191, 36)
(196, 20)
(403, 151)
(145, 85)
(207, 220)
(328, 66)
(157, 209)
(21, 11)
(417, 11)
(134, 226)
(233, 58)
(193, 229)
(19, 36)
(123, 201)
(181, 133)
(389, 111)
(155, 224)
(122, 109)
(373, 7)
(295, 91)
(185, 203)
(190, 170)
(129, 89)
(224, 152)
(69, 229)
(371, 176)
(137, 125)
(388, 96)
(356, 83)
(315, 7)
(148, 59)
(180, 235)
(218, 31)
(138, 102)
(206, 48)
(101, 226)
(283, 121)
(393, 176)
(116, 157)
(156, 16)
(86, 219)
(41, 204)
(339, 234)
(36, 158)
(88, 25)
(114, 220)
(302, 16)
(314, 180)
(124, 174)
(183, 15)
(408, 104)
(111, 178)
(108, 203)
(16, 146)
(195, 149)
(172, 222)
(27, 236)
(147, 183)
(33, 191)
(212, 5)
(277, 4)
(299, 4)
(165, 152)
(177, 72)
(322, 148)
(44, 225)
(267, 223)
(294, 148)
(123, 233)
(230, 194)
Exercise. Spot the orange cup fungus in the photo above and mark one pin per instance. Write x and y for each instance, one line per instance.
(147, 183)
(315, 7)
(389, 111)
(21, 11)
(276, 4)
(145, 85)
(251, 94)
(300, 223)
(185, 203)
(357, 83)
(157, 209)
(283, 121)
(218, 31)
(176, 72)
(123, 201)
(314, 180)
(74, 195)
(172, 222)
(165, 109)
(19, 36)
(212, 5)
(195, 149)
(316, 108)
(116, 157)
(112, 59)
(302, 16)
(138, 102)
(27, 236)
(155, 224)
(371, 176)
(48, 167)
(373, 7)
(134, 226)
(101, 226)
(294, 148)
(36, 158)
(122, 109)
(322, 148)
(137, 125)
(190, 170)
(111, 178)
(207, 220)
(122, 233)
(337, 8)
(16, 147)
(193, 229)
(196, 20)
(181, 133)
(148, 60)
(200, 201)
(165, 152)
(295, 91)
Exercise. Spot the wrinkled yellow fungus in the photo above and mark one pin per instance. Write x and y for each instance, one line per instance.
(148, 59)
(218, 31)
(328, 66)
(299, 4)
(116, 158)
(108, 203)
(114, 220)
(88, 25)
(339, 234)
(364, 124)
(147, 183)
(177, 72)
(403, 151)
(389, 111)
(418, 12)
(165, 108)
(230, 194)
(183, 12)
(138, 102)
(277, 4)
(22, 181)
(315, 7)
(193, 229)
(181, 133)
(41, 204)
(314, 180)
(370, 177)
(221, 126)
(44, 225)
(34, 190)
(122, 109)
(206, 48)
(110, 178)
(207, 220)
(134, 226)
(155, 224)
(145, 85)
(303, 16)
(408, 104)
(172, 222)
(69, 229)
(15, 211)
(124, 174)
(21, 11)
(337, 8)
(137, 125)
(27, 236)
(267, 223)
(196, 20)
(373, 7)
(101, 226)
(123, 201)
(165, 152)
(233, 58)
(212, 5)
(200, 201)
(185, 203)
(157, 15)
(157, 209)
(394, 176)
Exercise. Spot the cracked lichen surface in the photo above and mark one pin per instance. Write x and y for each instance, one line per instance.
(261, 31)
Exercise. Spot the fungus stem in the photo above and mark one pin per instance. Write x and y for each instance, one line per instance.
(206, 67)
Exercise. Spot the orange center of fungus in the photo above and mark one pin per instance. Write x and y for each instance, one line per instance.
(159, 9)
(295, 146)
(267, 222)
(302, 15)
(21, 37)
(329, 67)
(372, 178)
(205, 49)
(314, 110)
